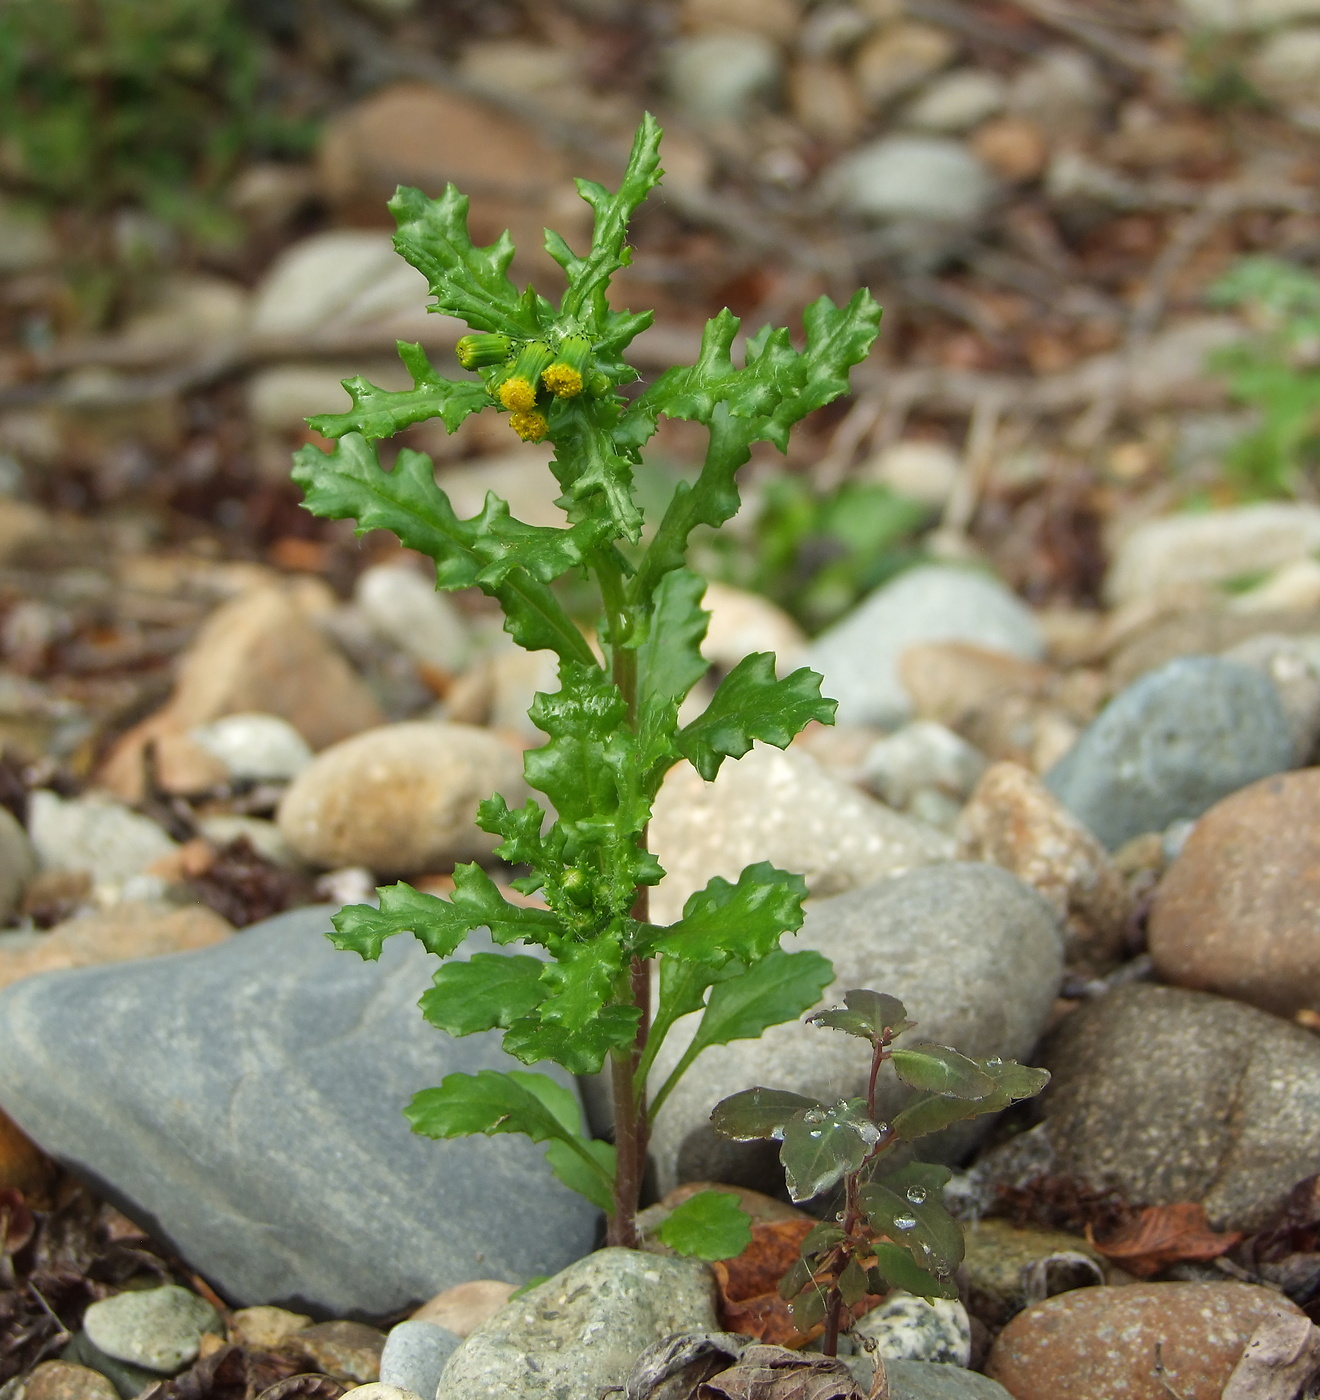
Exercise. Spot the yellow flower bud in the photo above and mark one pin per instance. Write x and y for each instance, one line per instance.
(518, 389)
(477, 351)
(530, 426)
(564, 377)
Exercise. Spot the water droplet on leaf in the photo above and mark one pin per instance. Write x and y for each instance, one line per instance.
(916, 1194)
(905, 1222)
(994, 1062)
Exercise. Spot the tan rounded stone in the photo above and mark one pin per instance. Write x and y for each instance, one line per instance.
(1239, 910)
(61, 1380)
(1013, 147)
(465, 1306)
(899, 58)
(1100, 1343)
(401, 798)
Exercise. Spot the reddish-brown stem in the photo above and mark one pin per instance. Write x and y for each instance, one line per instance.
(878, 1057)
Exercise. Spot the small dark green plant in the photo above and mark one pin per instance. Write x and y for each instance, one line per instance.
(612, 727)
(148, 102)
(894, 1230)
(1276, 371)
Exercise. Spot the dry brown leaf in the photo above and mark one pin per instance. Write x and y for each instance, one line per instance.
(1163, 1235)
(775, 1373)
(748, 1284)
(1281, 1357)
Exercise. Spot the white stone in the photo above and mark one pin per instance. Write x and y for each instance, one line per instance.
(787, 809)
(1286, 67)
(255, 747)
(521, 477)
(717, 77)
(344, 277)
(898, 58)
(93, 833)
(406, 609)
(1293, 588)
(912, 177)
(922, 754)
(922, 470)
(958, 101)
(280, 399)
(743, 622)
(1061, 91)
(1238, 15)
(1173, 552)
(908, 1328)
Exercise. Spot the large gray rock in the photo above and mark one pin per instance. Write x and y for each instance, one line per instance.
(1169, 1095)
(933, 1380)
(973, 953)
(579, 1333)
(246, 1102)
(858, 656)
(1171, 745)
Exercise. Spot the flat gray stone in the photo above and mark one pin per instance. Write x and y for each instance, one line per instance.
(1170, 745)
(415, 1354)
(858, 656)
(929, 1380)
(1169, 1095)
(245, 1103)
(974, 954)
(158, 1328)
(581, 1331)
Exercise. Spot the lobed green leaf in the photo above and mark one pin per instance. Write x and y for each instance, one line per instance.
(489, 990)
(709, 1225)
(743, 921)
(779, 988)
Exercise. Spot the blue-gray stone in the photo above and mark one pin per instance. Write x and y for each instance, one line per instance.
(929, 1380)
(858, 656)
(1171, 745)
(415, 1354)
(245, 1103)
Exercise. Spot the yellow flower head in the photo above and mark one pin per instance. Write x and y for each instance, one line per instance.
(563, 381)
(530, 426)
(517, 395)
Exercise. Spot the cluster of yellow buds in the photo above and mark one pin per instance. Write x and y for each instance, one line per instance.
(535, 372)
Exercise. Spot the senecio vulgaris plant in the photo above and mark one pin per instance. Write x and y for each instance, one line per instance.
(613, 728)
(894, 1229)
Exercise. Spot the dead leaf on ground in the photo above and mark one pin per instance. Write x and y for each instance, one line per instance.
(1163, 1235)
(1282, 1356)
(673, 1368)
(749, 1298)
(775, 1373)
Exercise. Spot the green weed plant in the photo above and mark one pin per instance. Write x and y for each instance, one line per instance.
(583, 999)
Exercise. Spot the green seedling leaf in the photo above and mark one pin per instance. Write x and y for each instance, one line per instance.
(743, 921)
(489, 990)
(380, 413)
(808, 1307)
(907, 1206)
(871, 1016)
(820, 1239)
(779, 988)
(940, 1070)
(669, 664)
(822, 1145)
(894, 1267)
(567, 1164)
(1012, 1082)
(853, 1283)
(799, 1275)
(758, 1113)
(580, 1052)
(752, 704)
(710, 1225)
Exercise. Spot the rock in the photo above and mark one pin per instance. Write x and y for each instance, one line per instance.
(1061, 91)
(283, 1065)
(95, 834)
(415, 1354)
(18, 862)
(498, 690)
(522, 477)
(401, 798)
(719, 77)
(59, 1380)
(128, 1380)
(263, 836)
(972, 952)
(22, 1163)
(1172, 744)
(1238, 912)
(1098, 1343)
(925, 471)
(1295, 586)
(1007, 1267)
(1293, 664)
(1168, 1095)
(27, 242)
(348, 1351)
(776, 19)
(907, 1328)
(407, 611)
(413, 133)
(1237, 15)
(378, 1390)
(921, 755)
(281, 398)
(958, 101)
(858, 656)
(824, 100)
(183, 310)
(569, 1338)
(1013, 820)
(927, 1380)
(1013, 148)
(465, 1306)
(949, 681)
(742, 622)
(259, 654)
(1166, 554)
(334, 281)
(159, 1329)
(129, 929)
(899, 58)
(263, 1328)
(926, 178)
(255, 748)
(785, 808)
(1286, 67)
